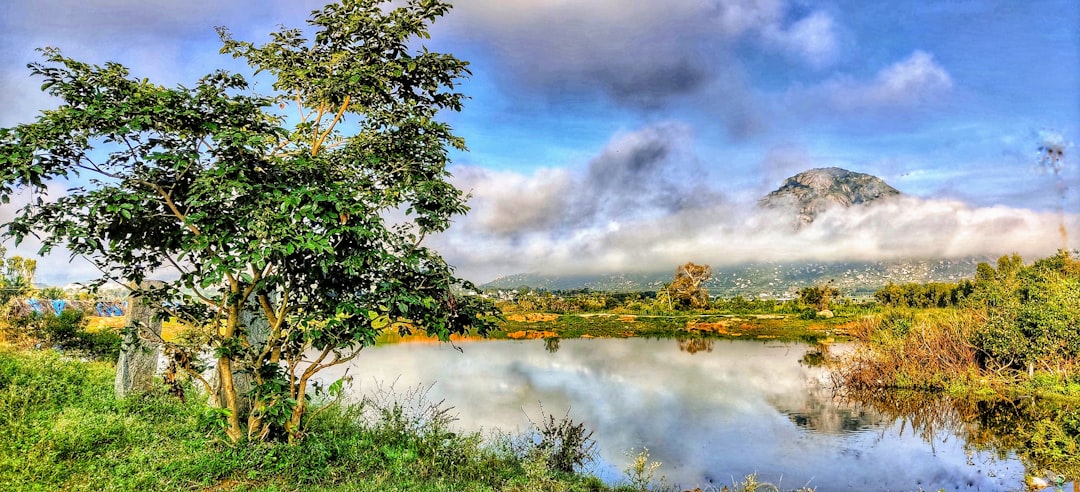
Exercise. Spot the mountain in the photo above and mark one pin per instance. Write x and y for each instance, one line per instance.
(812, 192)
(765, 279)
(806, 195)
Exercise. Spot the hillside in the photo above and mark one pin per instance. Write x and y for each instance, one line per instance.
(806, 194)
(767, 279)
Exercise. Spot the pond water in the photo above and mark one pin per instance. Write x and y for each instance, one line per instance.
(711, 411)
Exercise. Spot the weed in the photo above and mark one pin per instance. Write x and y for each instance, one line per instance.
(565, 445)
(640, 470)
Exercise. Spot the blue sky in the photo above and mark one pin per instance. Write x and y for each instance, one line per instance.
(612, 135)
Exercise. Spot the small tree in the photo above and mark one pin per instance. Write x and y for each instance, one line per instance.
(686, 290)
(818, 296)
(260, 214)
(1029, 314)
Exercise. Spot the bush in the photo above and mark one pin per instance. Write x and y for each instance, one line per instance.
(1031, 313)
(564, 444)
(66, 331)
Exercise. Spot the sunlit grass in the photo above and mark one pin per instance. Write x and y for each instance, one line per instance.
(169, 329)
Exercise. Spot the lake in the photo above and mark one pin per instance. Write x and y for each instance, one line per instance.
(712, 411)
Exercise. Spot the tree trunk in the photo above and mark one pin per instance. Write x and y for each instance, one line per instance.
(292, 428)
(225, 375)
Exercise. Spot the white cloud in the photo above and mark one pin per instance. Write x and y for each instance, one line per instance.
(915, 81)
(811, 39)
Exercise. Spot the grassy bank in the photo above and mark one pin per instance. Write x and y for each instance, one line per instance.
(64, 431)
(921, 366)
(705, 325)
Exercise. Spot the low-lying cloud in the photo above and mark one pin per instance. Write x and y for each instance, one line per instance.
(638, 206)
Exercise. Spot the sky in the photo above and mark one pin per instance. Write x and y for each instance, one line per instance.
(621, 135)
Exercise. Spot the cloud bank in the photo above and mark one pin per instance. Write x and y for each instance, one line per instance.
(638, 206)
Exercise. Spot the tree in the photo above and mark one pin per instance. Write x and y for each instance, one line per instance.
(686, 290)
(1029, 314)
(277, 226)
(16, 276)
(818, 296)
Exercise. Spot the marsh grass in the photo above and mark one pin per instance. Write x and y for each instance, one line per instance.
(923, 349)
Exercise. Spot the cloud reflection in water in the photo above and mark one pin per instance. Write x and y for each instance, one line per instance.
(711, 416)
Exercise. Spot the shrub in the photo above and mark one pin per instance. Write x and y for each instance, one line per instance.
(66, 331)
(566, 445)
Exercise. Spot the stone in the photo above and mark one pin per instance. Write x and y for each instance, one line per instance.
(254, 323)
(141, 345)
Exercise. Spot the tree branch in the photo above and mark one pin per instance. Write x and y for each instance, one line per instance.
(330, 127)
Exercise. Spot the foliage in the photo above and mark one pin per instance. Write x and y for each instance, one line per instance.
(1015, 318)
(751, 483)
(818, 297)
(16, 277)
(928, 295)
(66, 331)
(909, 349)
(1031, 313)
(641, 470)
(686, 290)
(564, 445)
(278, 227)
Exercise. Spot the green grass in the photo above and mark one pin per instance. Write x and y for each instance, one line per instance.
(63, 429)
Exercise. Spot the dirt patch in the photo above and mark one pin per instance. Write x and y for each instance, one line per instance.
(718, 328)
(626, 318)
(532, 317)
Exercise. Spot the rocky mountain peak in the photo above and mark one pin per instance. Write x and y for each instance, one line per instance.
(811, 192)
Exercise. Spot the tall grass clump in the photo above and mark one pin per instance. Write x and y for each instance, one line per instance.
(903, 348)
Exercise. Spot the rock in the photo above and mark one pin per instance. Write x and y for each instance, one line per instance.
(141, 347)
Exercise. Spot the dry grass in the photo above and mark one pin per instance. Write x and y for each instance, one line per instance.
(907, 350)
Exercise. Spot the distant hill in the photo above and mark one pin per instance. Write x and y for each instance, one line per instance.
(811, 192)
(776, 280)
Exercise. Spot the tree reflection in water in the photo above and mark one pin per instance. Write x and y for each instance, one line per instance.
(695, 345)
(1043, 434)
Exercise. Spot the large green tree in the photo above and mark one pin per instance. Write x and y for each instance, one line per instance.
(281, 203)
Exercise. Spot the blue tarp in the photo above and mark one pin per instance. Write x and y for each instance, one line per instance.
(57, 306)
(106, 309)
(35, 305)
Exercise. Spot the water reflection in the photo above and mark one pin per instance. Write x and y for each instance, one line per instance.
(709, 415)
(1044, 434)
(695, 345)
(551, 344)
